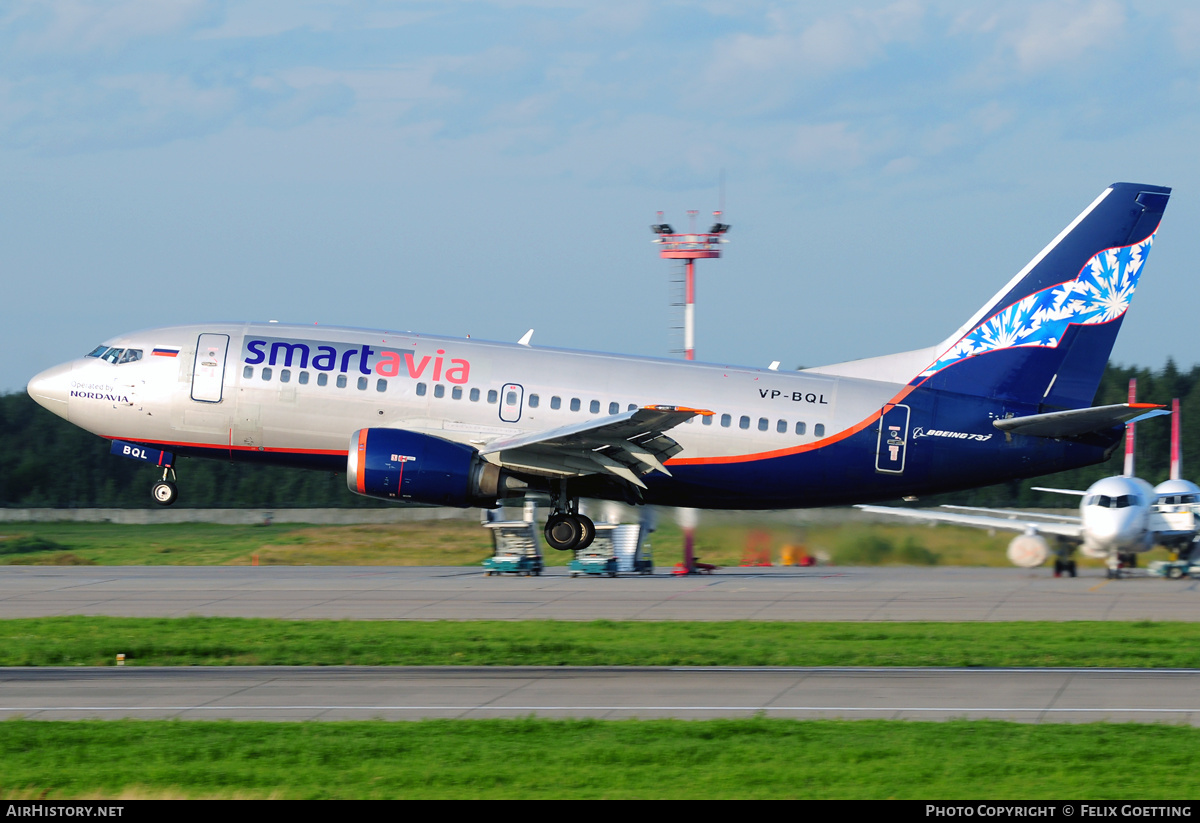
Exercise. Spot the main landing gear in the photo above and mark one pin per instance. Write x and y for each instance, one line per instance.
(566, 529)
(1064, 565)
(164, 491)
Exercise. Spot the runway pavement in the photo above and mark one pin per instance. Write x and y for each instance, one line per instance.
(349, 693)
(456, 593)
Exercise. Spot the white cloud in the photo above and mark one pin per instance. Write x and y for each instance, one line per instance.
(797, 50)
(1064, 32)
(78, 27)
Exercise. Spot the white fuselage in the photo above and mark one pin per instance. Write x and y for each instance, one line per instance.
(1115, 514)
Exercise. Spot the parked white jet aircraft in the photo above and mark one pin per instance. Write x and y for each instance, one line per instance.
(1119, 517)
(453, 422)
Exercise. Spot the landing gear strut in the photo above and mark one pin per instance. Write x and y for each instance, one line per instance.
(566, 529)
(164, 491)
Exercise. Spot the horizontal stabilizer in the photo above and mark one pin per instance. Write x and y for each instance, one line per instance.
(1079, 421)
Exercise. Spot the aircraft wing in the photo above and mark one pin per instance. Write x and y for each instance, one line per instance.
(1007, 521)
(1078, 421)
(627, 445)
(1061, 518)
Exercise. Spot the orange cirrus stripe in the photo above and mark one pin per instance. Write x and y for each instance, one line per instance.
(820, 444)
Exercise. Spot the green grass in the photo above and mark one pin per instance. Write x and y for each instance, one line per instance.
(531, 758)
(464, 543)
(223, 641)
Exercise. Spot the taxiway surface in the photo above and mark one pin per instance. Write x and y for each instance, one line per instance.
(456, 593)
(411, 693)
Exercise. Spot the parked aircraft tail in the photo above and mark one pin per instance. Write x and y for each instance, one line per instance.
(1130, 431)
(1046, 336)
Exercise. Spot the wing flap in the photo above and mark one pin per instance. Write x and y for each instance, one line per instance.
(627, 445)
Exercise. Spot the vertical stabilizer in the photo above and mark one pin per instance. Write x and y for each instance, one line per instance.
(1045, 338)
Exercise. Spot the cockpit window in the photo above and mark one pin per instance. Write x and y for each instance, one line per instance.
(1123, 501)
(116, 355)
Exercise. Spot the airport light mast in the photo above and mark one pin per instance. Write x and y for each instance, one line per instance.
(690, 247)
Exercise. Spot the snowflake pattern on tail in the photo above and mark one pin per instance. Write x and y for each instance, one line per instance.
(1100, 293)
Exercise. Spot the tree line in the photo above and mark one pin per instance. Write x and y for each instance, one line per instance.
(47, 462)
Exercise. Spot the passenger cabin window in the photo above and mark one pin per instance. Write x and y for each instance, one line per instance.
(362, 384)
(614, 408)
(708, 418)
(533, 401)
(800, 428)
(781, 427)
(381, 385)
(247, 372)
(726, 420)
(302, 378)
(510, 398)
(422, 388)
(763, 424)
(341, 381)
(819, 430)
(456, 392)
(631, 407)
(266, 373)
(574, 404)
(493, 395)
(594, 407)
(744, 422)
(474, 395)
(556, 402)
(439, 390)
(285, 376)
(322, 379)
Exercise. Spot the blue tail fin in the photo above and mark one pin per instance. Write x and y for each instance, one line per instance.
(1045, 338)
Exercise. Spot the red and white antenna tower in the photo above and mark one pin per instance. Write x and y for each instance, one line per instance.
(1176, 456)
(690, 247)
(1129, 430)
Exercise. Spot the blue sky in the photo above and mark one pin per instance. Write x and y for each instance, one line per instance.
(486, 167)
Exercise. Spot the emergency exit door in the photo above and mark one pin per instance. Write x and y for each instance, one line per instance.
(208, 370)
(512, 398)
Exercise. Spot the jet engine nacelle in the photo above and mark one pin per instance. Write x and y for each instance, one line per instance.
(1028, 550)
(408, 467)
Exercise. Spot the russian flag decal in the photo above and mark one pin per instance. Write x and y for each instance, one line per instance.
(165, 352)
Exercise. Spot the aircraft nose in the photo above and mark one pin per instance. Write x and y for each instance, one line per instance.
(51, 388)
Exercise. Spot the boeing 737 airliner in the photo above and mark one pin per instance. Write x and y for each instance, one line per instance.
(451, 422)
